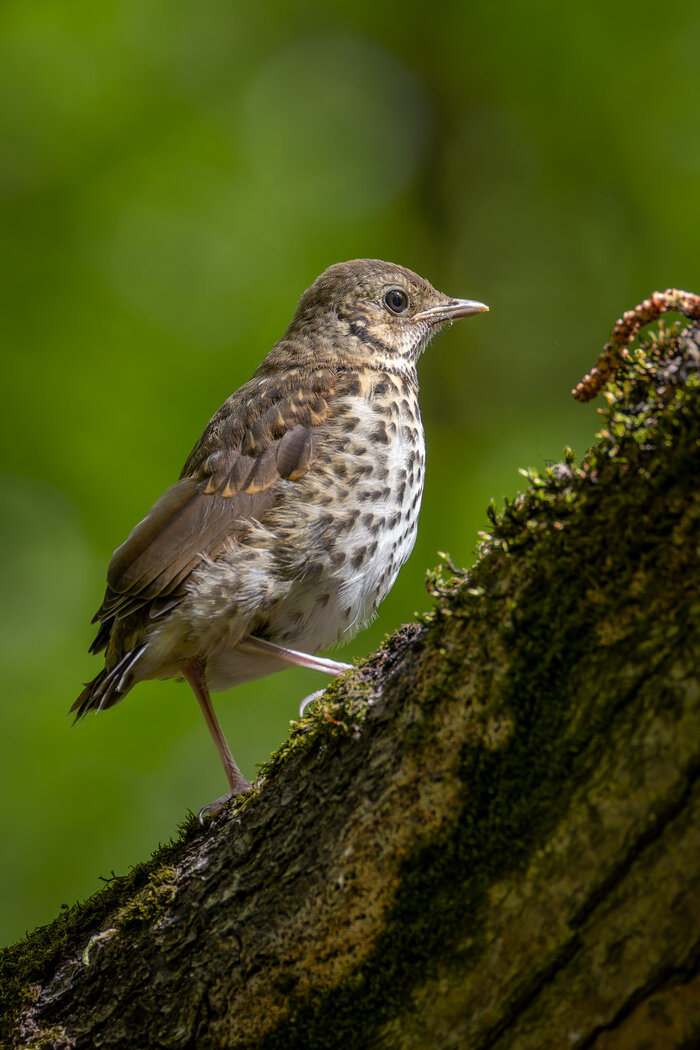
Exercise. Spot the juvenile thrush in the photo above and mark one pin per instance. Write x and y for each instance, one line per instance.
(294, 511)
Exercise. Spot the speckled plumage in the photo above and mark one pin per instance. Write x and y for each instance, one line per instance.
(296, 508)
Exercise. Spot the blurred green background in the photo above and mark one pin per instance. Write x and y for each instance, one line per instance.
(172, 176)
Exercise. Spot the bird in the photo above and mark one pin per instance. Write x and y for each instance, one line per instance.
(294, 511)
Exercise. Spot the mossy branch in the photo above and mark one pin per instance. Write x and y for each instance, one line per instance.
(485, 836)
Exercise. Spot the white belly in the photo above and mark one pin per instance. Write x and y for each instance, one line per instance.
(333, 548)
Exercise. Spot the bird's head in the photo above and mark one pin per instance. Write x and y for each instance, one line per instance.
(368, 307)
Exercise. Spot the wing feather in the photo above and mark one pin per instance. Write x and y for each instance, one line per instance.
(236, 474)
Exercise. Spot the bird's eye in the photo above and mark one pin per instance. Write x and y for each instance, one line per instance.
(396, 300)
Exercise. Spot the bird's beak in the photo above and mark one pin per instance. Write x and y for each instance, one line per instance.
(451, 310)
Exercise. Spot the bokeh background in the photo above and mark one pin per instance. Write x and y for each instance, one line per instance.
(172, 176)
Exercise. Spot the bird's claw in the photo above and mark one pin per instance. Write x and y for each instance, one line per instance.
(212, 809)
(308, 700)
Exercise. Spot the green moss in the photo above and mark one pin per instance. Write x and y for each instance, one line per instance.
(149, 902)
(341, 711)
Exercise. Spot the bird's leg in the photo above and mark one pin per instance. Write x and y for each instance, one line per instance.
(194, 674)
(260, 647)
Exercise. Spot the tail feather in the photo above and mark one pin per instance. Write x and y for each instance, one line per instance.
(83, 704)
(102, 636)
(108, 687)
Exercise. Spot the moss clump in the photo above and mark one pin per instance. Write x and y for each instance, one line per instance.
(342, 710)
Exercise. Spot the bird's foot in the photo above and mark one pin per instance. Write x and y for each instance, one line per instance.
(212, 809)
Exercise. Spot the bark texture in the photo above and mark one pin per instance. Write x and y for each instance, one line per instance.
(487, 836)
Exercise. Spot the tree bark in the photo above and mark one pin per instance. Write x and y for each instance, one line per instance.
(486, 836)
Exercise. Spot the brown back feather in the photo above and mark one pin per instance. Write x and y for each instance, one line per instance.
(235, 475)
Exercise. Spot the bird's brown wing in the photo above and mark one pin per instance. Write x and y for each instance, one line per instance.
(233, 476)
